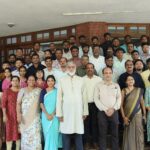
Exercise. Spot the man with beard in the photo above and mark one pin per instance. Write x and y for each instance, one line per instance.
(66, 50)
(12, 60)
(75, 55)
(72, 41)
(52, 49)
(82, 42)
(107, 43)
(91, 128)
(71, 108)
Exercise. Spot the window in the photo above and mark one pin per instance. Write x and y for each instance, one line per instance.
(73, 30)
(26, 38)
(63, 32)
(12, 40)
(56, 34)
(134, 29)
(11, 52)
(39, 36)
(8, 40)
(111, 29)
(142, 29)
(46, 35)
(120, 29)
(23, 39)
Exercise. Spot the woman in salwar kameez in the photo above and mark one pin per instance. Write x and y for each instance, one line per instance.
(131, 110)
(28, 115)
(50, 122)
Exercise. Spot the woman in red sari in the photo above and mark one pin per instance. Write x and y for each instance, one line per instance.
(9, 102)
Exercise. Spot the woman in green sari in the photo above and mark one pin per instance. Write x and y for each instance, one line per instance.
(50, 122)
(131, 109)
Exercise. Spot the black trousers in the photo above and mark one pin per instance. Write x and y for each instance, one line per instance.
(91, 125)
(66, 138)
(103, 123)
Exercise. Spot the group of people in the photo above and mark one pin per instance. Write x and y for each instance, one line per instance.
(77, 95)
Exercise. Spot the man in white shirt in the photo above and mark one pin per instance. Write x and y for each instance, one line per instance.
(119, 61)
(18, 64)
(145, 55)
(59, 73)
(96, 59)
(71, 108)
(130, 49)
(90, 124)
(107, 97)
(48, 70)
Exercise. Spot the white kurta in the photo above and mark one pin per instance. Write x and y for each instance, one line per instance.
(70, 105)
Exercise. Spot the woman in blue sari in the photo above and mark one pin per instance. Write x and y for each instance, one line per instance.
(50, 122)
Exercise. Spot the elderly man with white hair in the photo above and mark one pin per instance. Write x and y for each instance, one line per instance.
(71, 108)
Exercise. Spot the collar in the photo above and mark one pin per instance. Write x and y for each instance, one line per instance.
(111, 83)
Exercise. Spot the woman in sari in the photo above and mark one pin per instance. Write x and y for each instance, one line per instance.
(50, 122)
(147, 105)
(131, 109)
(28, 115)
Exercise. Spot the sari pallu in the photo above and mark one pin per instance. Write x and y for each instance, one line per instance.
(30, 124)
(52, 136)
(132, 103)
(133, 137)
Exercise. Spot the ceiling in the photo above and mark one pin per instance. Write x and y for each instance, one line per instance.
(34, 15)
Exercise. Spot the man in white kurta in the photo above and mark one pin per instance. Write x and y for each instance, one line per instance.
(71, 108)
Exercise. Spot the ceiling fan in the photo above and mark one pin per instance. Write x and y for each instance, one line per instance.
(96, 13)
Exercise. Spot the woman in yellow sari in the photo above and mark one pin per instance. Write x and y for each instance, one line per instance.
(131, 110)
